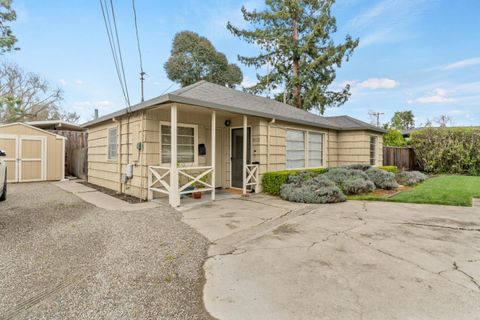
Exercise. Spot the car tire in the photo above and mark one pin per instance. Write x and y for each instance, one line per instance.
(4, 193)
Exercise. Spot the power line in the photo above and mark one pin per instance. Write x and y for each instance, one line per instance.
(377, 116)
(120, 54)
(142, 73)
(113, 47)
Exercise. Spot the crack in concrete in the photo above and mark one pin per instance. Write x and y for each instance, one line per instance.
(406, 261)
(440, 226)
(472, 279)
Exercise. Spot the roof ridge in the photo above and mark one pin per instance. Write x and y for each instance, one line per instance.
(188, 88)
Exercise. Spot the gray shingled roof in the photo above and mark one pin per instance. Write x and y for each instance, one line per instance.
(209, 95)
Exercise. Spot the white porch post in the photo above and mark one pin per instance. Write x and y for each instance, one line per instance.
(174, 196)
(244, 167)
(213, 156)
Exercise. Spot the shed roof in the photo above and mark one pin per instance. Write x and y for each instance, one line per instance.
(209, 95)
(13, 124)
(56, 125)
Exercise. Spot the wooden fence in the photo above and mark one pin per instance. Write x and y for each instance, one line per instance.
(75, 152)
(402, 157)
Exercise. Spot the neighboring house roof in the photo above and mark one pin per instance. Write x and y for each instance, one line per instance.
(209, 95)
(55, 125)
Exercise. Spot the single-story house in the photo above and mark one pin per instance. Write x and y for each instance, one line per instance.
(194, 136)
(33, 154)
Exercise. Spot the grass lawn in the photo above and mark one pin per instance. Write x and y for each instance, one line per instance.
(447, 190)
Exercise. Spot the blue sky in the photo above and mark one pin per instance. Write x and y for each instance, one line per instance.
(414, 54)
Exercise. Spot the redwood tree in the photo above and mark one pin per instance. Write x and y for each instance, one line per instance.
(295, 40)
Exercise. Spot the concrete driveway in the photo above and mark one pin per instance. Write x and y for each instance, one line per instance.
(354, 260)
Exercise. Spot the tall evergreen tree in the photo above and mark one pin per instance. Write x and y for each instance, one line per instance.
(295, 38)
(194, 58)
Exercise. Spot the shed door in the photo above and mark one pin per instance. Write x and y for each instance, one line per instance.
(31, 161)
(10, 145)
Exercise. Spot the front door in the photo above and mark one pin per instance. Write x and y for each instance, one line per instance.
(237, 155)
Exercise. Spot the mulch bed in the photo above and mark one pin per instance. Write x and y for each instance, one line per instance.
(113, 193)
(389, 193)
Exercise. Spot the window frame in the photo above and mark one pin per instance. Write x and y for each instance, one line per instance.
(109, 130)
(373, 161)
(306, 133)
(195, 142)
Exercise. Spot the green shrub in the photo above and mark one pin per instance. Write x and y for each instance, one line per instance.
(382, 179)
(306, 188)
(448, 150)
(394, 138)
(357, 186)
(410, 178)
(392, 169)
(351, 181)
(273, 181)
(358, 166)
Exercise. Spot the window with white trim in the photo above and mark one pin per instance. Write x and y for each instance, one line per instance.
(373, 150)
(295, 149)
(112, 143)
(186, 147)
(315, 149)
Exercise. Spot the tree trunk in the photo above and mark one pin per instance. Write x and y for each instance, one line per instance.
(297, 98)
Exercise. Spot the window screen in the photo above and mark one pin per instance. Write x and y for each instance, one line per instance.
(295, 149)
(373, 146)
(315, 149)
(185, 144)
(112, 144)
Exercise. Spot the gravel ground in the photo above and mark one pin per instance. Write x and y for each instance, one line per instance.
(62, 258)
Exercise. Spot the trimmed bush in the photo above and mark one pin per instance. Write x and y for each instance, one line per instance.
(448, 150)
(304, 188)
(351, 181)
(410, 178)
(382, 179)
(358, 186)
(273, 181)
(392, 169)
(358, 166)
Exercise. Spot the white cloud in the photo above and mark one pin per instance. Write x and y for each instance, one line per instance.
(378, 83)
(78, 82)
(438, 95)
(247, 82)
(462, 63)
(63, 82)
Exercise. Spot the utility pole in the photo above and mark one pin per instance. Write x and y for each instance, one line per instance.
(142, 78)
(377, 116)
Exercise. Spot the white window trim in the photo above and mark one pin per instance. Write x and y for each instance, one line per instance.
(108, 144)
(195, 142)
(306, 148)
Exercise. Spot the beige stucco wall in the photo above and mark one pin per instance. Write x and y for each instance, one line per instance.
(54, 152)
(268, 145)
(354, 147)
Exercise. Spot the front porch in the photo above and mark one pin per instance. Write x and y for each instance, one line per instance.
(198, 150)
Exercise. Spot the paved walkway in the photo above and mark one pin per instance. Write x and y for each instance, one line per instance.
(102, 200)
(272, 259)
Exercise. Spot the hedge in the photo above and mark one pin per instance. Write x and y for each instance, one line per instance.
(392, 169)
(448, 150)
(273, 181)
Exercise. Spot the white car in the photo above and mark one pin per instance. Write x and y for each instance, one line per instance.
(3, 176)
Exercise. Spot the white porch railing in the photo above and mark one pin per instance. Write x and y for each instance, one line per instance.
(158, 180)
(194, 180)
(157, 175)
(252, 176)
